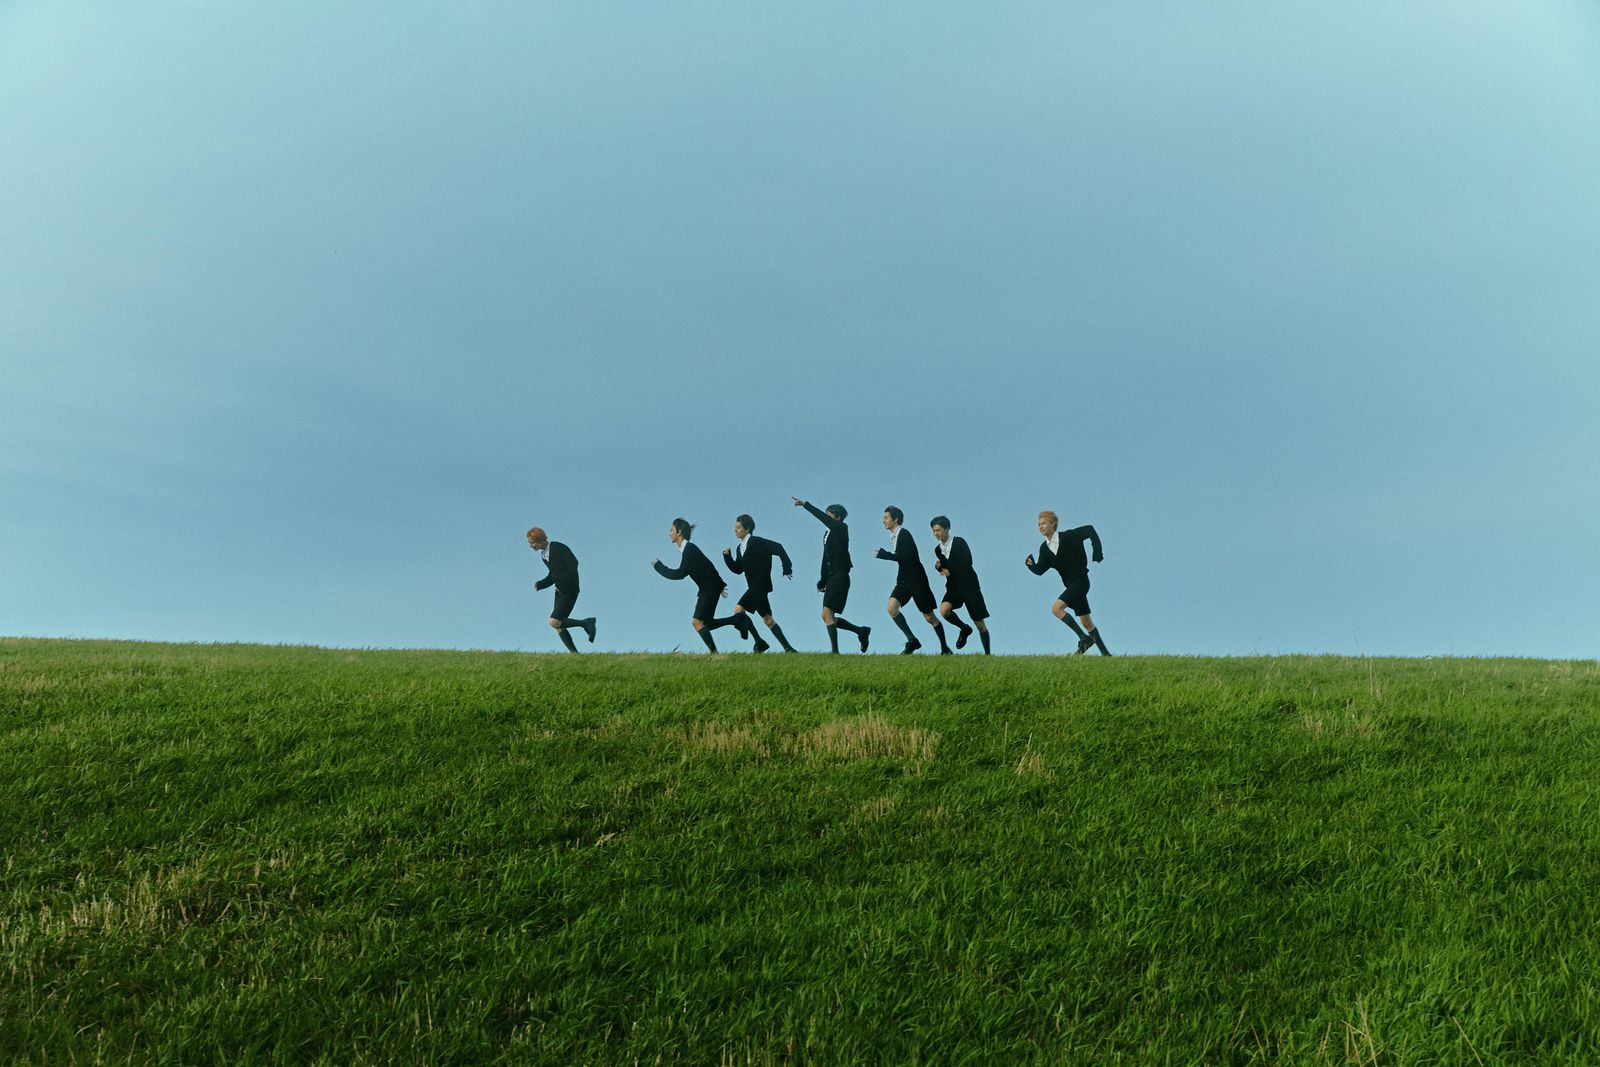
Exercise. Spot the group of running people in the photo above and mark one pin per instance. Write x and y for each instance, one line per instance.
(1062, 552)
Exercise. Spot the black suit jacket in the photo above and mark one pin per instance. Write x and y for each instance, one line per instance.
(905, 555)
(958, 561)
(695, 565)
(563, 569)
(1070, 562)
(836, 548)
(756, 562)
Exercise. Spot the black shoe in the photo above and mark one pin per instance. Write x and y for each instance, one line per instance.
(1084, 645)
(945, 651)
(865, 630)
(590, 630)
(761, 646)
(794, 650)
(961, 638)
(911, 647)
(742, 624)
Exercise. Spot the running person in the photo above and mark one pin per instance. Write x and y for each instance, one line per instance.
(563, 566)
(695, 565)
(753, 559)
(834, 585)
(953, 559)
(1062, 552)
(911, 582)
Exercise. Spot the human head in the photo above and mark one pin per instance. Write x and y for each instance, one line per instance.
(892, 517)
(838, 512)
(1048, 521)
(744, 526)
(941, 527)
(681, 530)
(537, 539)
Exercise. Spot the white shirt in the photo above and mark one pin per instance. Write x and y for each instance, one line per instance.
(738, 546)
(544, 553)
(1054, 541)
(894, 538)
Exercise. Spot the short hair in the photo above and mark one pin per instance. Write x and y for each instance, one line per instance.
(940, 520)
(747, 522)
(1052, 516)
(838, 509)
(684, 527)
(535, 532)
(895, 513)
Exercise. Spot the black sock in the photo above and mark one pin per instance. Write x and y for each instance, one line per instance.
(955, 620)
(983, 635)
(777, 631)
(731, 620)
(833, 638)
(566, 639)
(848, 627)
(1070, 621)
(1101, 645)
(905, 627)
(705, 635)
(943, 644)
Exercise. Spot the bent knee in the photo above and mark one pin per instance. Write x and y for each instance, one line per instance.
(555, 624)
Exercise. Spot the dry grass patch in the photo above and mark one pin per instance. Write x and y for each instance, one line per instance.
(1031, 764)
(1351, 723)
(723, 739)
(868, 737)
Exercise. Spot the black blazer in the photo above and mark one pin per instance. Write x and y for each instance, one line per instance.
(695, 565)
(756, 562)
(563, 569)
(836, 547)
(905, 555)
(1070, 563)
(958, 562)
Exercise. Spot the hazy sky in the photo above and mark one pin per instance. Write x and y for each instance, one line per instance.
(308, 311)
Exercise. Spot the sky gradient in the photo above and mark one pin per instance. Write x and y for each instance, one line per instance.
(308, 311)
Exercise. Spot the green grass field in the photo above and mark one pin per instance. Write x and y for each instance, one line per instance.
(238, 854)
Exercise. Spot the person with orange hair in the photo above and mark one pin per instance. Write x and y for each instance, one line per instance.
(1063, 553)
(563, 567)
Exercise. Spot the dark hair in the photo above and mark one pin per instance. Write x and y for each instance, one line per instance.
(684, 527)
(940, 520)
(838, 509)
(747, 522)
(895, 513)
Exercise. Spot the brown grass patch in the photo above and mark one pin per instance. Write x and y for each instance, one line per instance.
(1351, 723)
(868, 737)
(724, 739)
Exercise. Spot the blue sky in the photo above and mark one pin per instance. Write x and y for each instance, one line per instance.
(308, 311)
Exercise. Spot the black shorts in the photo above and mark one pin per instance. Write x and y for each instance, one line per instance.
(566, 600)
(1076, 595)
(705, 605)
(921, 595)
(972, 601)
(836, 592)
(756, 603)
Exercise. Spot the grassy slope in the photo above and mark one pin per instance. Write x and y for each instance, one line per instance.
(234, 853)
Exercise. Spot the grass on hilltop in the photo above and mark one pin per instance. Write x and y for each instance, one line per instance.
(238, 854)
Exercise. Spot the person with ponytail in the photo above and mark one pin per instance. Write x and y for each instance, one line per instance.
(696, 565)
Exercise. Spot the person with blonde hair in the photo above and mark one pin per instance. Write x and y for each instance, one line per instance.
(563, 567)
(1063, 553)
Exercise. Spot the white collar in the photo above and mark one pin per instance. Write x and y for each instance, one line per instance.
(1054, 541)
(544, 553)
(894, 534)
